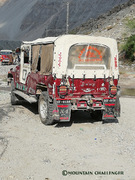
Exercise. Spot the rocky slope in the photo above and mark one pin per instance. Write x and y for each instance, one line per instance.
(9, 44)
(2, 2)
(26, 20)
(111, 24)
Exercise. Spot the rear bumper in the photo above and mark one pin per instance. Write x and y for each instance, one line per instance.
(109, 107)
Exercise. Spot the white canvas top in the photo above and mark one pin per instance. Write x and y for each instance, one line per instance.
(5, 51)
(41, 41)
(61, 54)
(70, 38)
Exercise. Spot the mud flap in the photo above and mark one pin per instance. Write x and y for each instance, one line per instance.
(108, 113)
(61, 110)
(64, 108)
(55, 113)
(117, 107)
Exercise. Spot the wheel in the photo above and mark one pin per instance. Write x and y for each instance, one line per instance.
(96, 115)
(13, 96)
(45, 109)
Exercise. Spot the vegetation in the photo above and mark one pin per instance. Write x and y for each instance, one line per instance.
(129, 44)
(130, 23)
(73, 31)
(128, 92)
(129, 48)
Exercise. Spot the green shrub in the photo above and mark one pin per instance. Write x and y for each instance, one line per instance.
(129, 48)
(130, 23)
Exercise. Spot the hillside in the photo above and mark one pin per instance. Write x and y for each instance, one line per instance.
(9, 44)
(27, 20)
(2, 2)
(112, 24)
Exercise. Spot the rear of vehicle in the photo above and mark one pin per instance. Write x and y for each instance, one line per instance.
(69, 73)
(6, 57)
(86, 77)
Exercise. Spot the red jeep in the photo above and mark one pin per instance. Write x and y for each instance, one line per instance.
(69, 72)
(6, 57)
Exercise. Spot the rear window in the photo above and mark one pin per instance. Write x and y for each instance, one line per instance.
(90, 56)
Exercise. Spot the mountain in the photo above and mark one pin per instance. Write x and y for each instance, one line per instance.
(114, 23)
(31, 19)
(11, 45)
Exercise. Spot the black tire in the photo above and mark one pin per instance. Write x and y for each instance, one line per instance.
(13, 96)
(45, 109)
(96, 115)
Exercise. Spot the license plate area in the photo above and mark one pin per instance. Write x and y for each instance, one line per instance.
(64, 107)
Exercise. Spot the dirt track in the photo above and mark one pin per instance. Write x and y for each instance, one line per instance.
(31, 150)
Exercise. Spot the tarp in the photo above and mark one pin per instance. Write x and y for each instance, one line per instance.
(35, 57)
(46, 59)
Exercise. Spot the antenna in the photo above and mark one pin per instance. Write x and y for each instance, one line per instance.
(67, 24)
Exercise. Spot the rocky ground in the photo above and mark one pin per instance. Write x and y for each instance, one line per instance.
(31, 150)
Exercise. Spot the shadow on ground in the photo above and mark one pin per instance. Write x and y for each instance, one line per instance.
(77, 117)
(31, 107)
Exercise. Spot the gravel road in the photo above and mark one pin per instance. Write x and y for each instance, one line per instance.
(30, 150)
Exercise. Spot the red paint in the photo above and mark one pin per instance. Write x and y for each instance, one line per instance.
(63, 99)
(55, 111)
(5, 56)
(81, 105)
(97, 105)
(109, 98)
(115, 61)
(90, 56)
(108, 116)
(63, 106)
(63, 118)
(82, 85)
(59, 59)
(109, 104)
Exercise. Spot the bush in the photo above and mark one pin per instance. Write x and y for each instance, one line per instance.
(130, 23)
(129, 48)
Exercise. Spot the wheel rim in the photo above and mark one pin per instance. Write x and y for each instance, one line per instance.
(43, 109)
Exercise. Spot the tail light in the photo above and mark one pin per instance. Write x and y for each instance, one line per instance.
(62, 90)
(113, 90)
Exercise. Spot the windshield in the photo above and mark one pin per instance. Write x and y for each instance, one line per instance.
(90, 56)
(5, 53)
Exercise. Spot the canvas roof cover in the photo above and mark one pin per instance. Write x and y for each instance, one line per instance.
(61, 53)
(47, 40)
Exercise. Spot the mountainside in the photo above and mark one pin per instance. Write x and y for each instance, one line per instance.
(31, 19)
(11, 45)
(114, 23)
